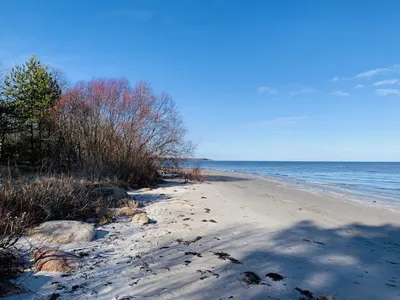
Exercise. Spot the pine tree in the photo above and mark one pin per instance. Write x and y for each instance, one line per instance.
(29, 92)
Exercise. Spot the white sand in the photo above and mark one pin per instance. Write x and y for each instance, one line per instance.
(324, 244)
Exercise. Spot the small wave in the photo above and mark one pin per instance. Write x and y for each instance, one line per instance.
(388, 189)
(346, 184)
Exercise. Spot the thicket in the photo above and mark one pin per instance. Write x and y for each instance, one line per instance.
(57, 140)
(103, 127)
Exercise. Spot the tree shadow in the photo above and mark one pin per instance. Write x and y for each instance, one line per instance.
(224, 178)
(352, 262)
(355, 261)
(32, 284)
(100, 234)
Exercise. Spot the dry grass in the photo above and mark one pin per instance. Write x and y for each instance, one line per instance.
(194, 174)
(30, 202)
(27, 202)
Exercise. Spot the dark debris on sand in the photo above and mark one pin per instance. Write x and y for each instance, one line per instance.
(193, 253)
(211, 221)
(251, 278)
(275, 276)
(207, 272)
(187, 243)
(226, 256)
(305, 294)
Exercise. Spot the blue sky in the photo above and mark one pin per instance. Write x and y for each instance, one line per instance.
(254, 80)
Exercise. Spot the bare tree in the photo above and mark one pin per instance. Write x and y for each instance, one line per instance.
(114, 128)
(60, 77)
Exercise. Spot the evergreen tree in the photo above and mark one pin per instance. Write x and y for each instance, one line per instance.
(28, 93)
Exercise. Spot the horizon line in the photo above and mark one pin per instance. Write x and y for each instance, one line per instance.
(327, 161)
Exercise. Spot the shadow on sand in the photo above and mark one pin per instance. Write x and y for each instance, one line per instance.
(224, 178)
(351, 262)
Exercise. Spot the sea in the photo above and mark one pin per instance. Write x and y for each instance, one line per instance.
(362, 179)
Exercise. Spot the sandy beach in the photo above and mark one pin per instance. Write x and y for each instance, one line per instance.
(206, 236)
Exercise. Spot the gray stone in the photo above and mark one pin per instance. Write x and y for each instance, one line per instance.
(141, 219)
(63, 232)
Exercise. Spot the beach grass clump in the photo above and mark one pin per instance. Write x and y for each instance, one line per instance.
(28, 202)
(193, 174)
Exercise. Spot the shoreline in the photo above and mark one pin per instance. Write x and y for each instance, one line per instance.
(207, 236)
(322, 190)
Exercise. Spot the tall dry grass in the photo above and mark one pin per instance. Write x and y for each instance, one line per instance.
(193, 174)
(26, 202)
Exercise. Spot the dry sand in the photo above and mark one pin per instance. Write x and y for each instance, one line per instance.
(324, 244)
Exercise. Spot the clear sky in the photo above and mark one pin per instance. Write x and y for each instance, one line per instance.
(254, 80)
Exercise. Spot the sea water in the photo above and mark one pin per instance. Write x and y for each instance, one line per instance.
(375, 179)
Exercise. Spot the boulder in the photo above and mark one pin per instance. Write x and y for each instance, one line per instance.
(109, 193)
(141, 219)
(63, 232)
(53, 260)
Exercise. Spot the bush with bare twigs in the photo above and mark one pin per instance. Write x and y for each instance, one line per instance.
(194, 174)
(107, 127)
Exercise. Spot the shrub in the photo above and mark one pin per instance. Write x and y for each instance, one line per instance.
(193, 174)
(109, 128)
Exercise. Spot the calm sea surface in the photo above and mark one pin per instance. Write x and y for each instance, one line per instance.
(376, 179)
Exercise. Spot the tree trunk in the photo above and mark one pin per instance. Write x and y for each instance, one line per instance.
(32, 145)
